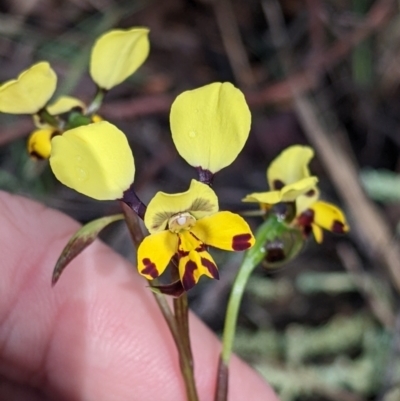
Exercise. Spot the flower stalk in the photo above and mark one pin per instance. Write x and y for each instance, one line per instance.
(251, 260)
(178, 322)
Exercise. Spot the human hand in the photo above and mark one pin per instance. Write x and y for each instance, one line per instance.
(98, 334)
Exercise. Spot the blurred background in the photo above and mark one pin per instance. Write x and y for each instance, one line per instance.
(320, 72)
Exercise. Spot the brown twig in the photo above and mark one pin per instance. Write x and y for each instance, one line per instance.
(233, 43)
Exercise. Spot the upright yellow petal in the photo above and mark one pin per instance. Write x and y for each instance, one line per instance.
(224, 230)
(30, 91)
(199, 200)
(95, 160)
(118, 54)
(210, 125)
(39, 143)
(290, 166)
(155, 252)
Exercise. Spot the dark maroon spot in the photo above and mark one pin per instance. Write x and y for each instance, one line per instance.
(278, 184)
(188, 280)
(211, 267)
(205, 176)
(181, 253)
(150, 268)
(241, 242)
(310, 193)
(307, 230)
(306, 218)
(174, 289)
(337, 227)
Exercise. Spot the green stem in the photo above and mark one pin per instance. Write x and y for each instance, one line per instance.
(96, 102)
(181, 309)
(46, 117)
(251, 260)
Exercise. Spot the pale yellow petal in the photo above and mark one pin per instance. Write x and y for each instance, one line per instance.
(118, 54)
(30, 91)
(199, 200)
(63, 104)
(288, 193)
(95, 160)
(210, 125)
(290, 166)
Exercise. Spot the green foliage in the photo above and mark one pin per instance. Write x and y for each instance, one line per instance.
(381, 185)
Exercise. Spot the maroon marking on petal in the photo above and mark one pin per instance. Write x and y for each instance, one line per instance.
(278, 184)
(337, 227)
(306, 218)
(188, 280)
(310, 193)
(241, 242)
(181, 253)
(150, 268)
(211, 267)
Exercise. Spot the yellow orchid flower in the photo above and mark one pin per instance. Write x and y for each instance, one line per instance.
(184, 225)
(30, 91)
(94, 159)
(290, 180)
(118, 54)
(210, 125)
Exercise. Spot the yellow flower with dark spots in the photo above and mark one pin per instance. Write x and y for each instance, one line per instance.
(290, 180)
(183, 225)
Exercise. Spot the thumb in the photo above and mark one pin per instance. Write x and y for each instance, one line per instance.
(98, 334)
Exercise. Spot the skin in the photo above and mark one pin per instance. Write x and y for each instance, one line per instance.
(98, 334)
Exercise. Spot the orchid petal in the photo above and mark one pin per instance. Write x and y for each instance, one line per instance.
(210, 125)
(224, 230)
(199, 200)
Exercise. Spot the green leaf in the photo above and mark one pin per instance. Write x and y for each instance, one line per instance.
(381, 185)
(81, 240)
